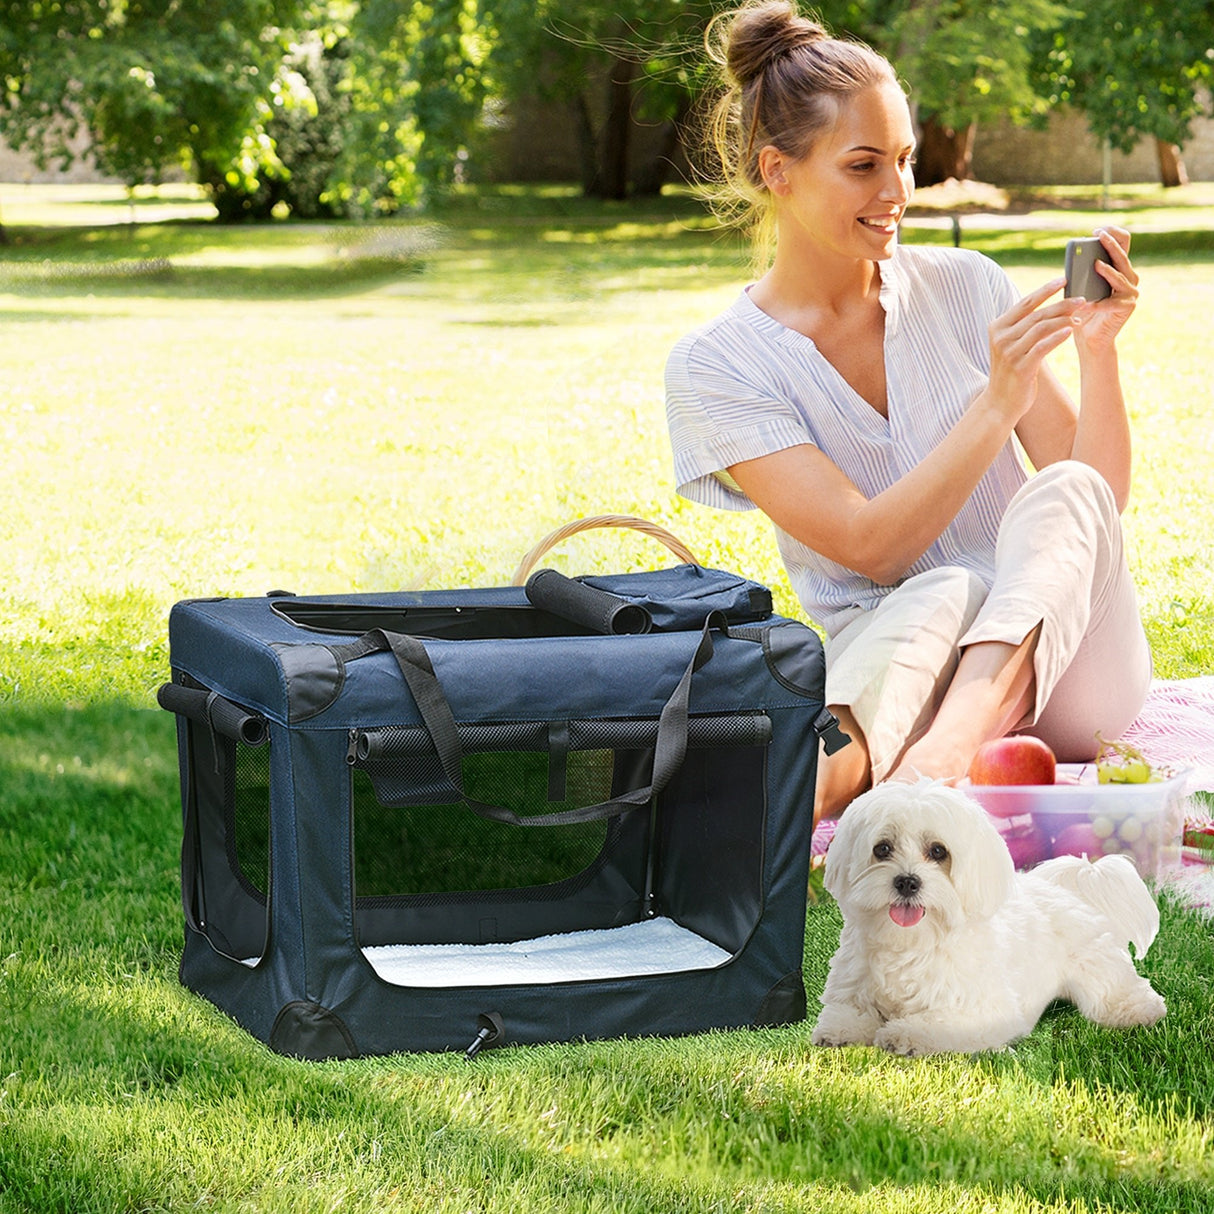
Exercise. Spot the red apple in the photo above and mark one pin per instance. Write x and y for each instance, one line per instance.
(1016, 759)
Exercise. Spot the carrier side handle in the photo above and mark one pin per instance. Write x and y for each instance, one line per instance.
(212, 710)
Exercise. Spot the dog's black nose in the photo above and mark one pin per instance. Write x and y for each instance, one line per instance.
(907, 884)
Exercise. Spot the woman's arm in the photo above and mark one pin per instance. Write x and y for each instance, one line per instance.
(807, 495)
(1098, 433)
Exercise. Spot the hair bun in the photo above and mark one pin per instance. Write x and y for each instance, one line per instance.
(763, 33)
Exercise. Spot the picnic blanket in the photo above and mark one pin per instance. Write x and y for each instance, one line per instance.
(1176, 728)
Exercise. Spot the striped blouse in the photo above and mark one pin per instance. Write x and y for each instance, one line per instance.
(744, 385)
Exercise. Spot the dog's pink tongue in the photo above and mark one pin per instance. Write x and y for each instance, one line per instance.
(905, 916)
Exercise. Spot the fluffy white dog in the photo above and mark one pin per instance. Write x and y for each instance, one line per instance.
(945, 947)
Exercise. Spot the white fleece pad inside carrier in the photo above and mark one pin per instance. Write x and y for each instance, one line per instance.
(654, 946)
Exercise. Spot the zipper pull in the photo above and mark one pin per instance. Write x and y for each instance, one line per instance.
(352, 748)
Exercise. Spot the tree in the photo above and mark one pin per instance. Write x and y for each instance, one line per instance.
(398, 90)
(613, 64)
(375, 169)
(308, 126)
(156, 83)
(966, 62)
(1135, 69)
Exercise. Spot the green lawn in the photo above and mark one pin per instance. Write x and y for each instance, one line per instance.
(191, 411)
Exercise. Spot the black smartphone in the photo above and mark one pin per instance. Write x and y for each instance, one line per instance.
(1082, 278)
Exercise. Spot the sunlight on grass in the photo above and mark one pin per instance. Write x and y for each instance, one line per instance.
(87, 204)
(266, 415)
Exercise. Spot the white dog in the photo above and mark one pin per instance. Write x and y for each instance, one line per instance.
(945, 947)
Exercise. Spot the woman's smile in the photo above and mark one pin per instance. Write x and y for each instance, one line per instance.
(887, 224)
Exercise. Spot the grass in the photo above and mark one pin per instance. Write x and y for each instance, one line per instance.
(194, 411)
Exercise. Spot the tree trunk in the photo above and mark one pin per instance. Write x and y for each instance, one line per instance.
(1172, 172)
(588, 147)
(944, 152)
(652, 176)
(617, 132)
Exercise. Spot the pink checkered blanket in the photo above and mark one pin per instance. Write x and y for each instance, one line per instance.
(1176, 728)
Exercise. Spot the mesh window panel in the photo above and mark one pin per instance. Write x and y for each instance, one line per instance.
(425, 851)
(248, 832)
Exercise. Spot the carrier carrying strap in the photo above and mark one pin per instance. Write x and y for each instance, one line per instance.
(670, 746)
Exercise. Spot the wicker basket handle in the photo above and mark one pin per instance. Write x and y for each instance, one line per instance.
(589, 524)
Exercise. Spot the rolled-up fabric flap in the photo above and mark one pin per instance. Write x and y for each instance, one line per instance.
(586, 605)
(212, 710)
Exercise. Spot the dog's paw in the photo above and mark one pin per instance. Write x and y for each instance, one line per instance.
(841, 1025)
(1155, 1007)
(836, 1040)
(896, 1037)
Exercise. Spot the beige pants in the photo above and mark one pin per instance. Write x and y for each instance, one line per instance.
(1059, 562)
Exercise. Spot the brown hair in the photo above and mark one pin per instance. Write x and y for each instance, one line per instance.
(785, 79)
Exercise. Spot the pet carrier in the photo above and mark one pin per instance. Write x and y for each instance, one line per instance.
(447, 819)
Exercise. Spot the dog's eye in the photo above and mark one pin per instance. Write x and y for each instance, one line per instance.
(937, 852)
(883, 850)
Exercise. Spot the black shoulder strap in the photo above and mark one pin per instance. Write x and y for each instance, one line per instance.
(418, 672)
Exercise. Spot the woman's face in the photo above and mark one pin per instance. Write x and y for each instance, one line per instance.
(848, 195)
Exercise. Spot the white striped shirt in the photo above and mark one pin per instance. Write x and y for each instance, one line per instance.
(744, 385)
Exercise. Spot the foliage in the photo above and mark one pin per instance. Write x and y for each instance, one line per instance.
(963, 63)
(308, 125)
(1134, 67)
(362, 107)
(969, 62)
(447, 61)
(396, 91)
(155, 84)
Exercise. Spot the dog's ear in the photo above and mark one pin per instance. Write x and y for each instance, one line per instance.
(833, 877)
(982, 872)
(841, 855)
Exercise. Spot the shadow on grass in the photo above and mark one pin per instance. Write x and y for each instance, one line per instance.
(1167, 1067)
(510, 263)
(164, 279)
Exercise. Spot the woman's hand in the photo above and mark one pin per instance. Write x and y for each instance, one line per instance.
(1099, 323)
(1020, 340)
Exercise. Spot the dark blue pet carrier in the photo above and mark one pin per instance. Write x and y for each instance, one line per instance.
(438, 820)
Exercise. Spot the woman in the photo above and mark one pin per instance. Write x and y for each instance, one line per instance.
(871, 399)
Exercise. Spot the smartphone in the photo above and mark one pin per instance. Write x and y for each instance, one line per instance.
(1082, 278)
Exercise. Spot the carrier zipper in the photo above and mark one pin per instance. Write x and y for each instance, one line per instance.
(352, 747)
